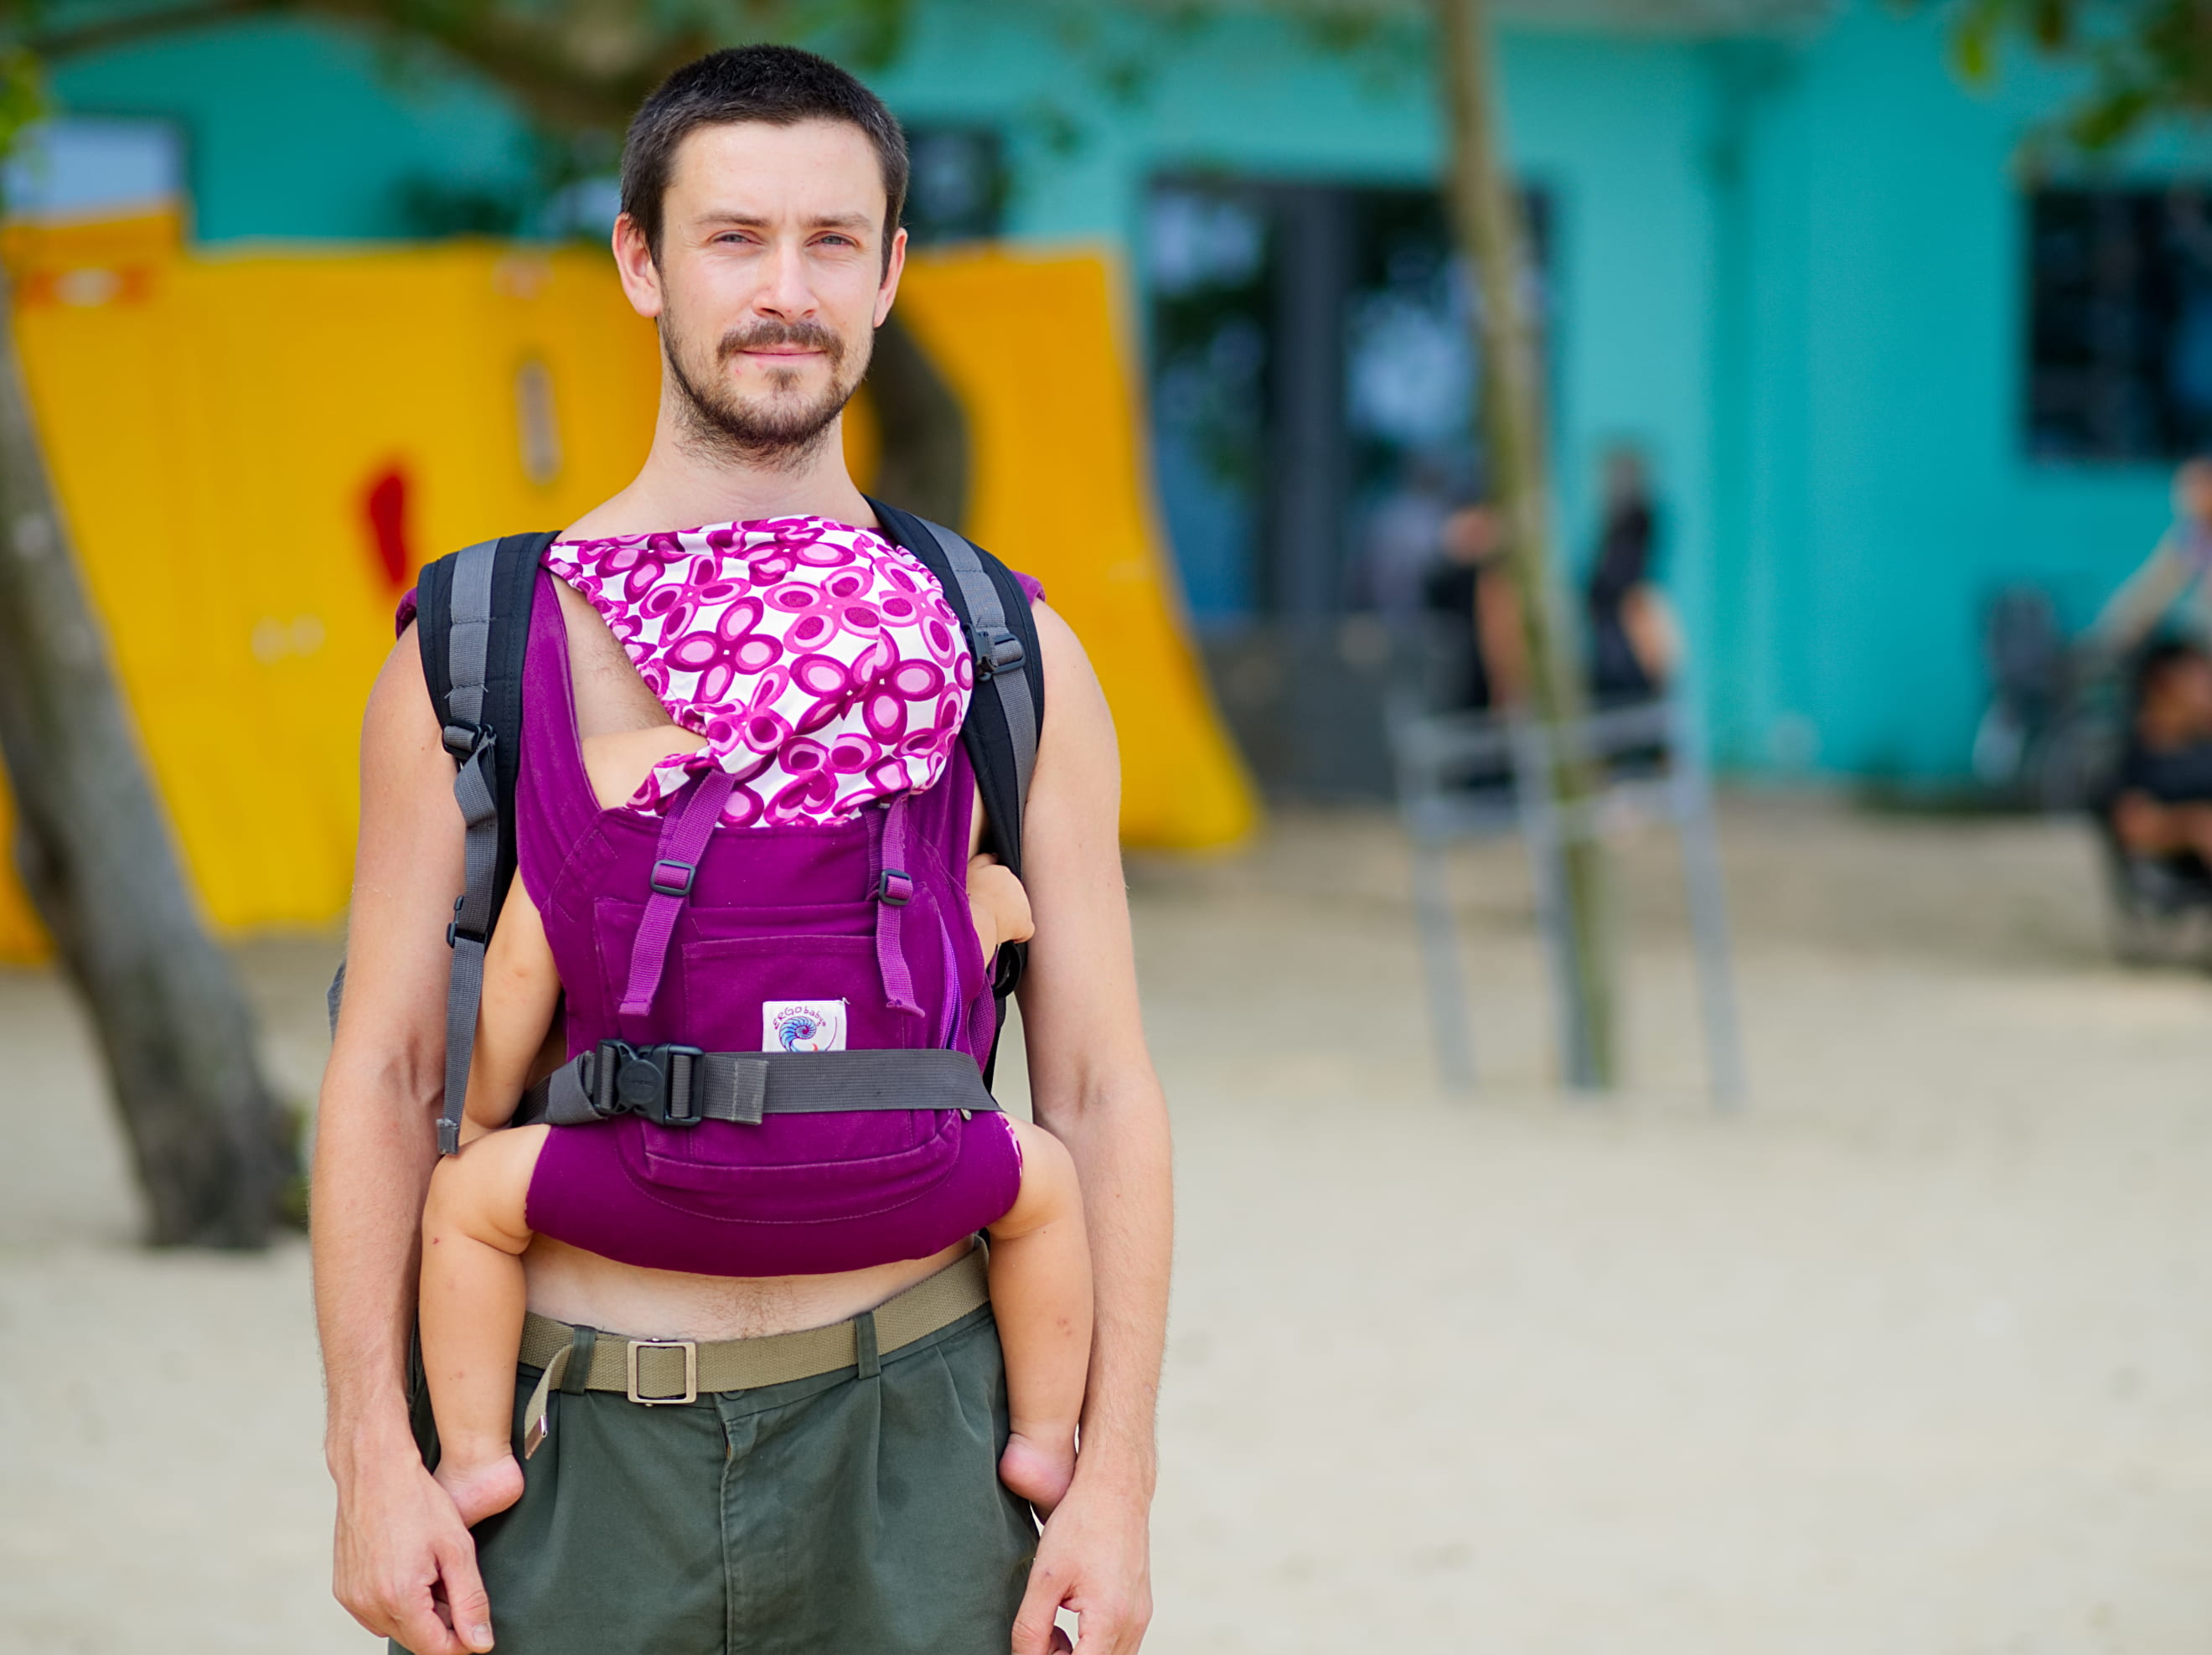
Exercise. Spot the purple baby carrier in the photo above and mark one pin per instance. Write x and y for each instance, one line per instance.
(699, 1131)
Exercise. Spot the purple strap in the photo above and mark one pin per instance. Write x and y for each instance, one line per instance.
(683, 840)
(894, 889)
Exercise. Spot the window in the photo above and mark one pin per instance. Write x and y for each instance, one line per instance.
(2119, 324)
(85, 167)
(957, 189)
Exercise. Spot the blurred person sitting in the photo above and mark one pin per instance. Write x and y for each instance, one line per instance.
(1632, 641)
(2175, 570)
(2161, 803)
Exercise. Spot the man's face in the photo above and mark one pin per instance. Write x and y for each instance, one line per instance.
(770, 283)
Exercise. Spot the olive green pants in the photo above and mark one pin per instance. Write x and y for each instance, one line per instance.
(855, 1511)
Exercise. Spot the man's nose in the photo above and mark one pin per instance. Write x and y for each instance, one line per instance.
(786, 290)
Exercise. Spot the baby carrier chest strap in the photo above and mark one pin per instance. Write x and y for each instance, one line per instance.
(682, 1085)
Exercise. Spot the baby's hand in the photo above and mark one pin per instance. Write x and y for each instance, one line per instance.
(998, 904)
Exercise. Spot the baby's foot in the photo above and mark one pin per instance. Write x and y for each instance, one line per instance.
(481, 1488)
(1039, 1469)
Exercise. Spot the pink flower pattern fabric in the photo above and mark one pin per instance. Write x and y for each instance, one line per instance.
(821, 663)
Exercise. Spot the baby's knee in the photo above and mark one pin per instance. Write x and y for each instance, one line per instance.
(482, 1192)
(1050, 1192)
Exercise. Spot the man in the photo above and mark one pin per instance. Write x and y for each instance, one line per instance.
(760, 194)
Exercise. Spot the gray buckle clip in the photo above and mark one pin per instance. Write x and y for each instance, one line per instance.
(690, 1349)
(996, 650)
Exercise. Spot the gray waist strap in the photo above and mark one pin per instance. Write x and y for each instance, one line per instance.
(682, 1085)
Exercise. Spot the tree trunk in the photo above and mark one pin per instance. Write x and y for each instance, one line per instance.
(1488, 214)
(924, 467)
(94, 845)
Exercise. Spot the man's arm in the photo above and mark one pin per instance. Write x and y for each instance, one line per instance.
(2132, 613)
(1092, 1086)
(402, 1550)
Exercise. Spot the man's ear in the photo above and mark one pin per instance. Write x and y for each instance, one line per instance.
(639, 270)
(892, 267)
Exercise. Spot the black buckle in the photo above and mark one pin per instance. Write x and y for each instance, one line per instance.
(662, 1083)
(894, 896)
(996, 650)
(453, 928)
(676, 887)
(465, 741)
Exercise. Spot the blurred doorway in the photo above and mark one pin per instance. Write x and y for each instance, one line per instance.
(1313, 409)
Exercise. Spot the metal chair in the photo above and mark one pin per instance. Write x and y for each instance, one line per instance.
(1653, 758)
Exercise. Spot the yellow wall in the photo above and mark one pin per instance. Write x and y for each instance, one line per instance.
(215, 426)
(1032, 345)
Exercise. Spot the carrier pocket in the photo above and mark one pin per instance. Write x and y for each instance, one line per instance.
(730, 985)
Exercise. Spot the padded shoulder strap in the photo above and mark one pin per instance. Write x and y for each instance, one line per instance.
(473, 625)
(1006, 715)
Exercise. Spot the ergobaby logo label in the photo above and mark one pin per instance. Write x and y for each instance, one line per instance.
(803, 1025)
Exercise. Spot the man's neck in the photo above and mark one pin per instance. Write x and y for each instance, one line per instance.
(683, 484)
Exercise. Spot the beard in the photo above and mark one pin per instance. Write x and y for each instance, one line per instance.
(781, 429)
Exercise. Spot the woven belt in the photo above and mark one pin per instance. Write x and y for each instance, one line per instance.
(654, 1372)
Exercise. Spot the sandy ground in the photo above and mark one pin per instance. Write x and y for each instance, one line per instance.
(1910, 1358)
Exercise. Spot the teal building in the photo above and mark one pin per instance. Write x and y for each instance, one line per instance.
(1879, 368)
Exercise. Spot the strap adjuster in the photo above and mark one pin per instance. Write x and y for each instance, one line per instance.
(454, 933)
(465, 741)
(995, 650)
(673, 877)
(895, 887)
(690, 1349)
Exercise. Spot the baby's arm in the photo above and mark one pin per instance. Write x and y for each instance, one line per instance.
(520, 988)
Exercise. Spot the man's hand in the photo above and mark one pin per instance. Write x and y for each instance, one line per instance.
(406, 1566)
(1095, 1558)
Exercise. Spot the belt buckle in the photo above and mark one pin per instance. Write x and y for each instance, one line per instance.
(690, 1349)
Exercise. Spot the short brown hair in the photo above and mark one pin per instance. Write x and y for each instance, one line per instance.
(780, 85)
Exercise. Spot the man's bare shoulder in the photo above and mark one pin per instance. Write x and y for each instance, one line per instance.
(606, 520)
(399, 710)
(1068, 675)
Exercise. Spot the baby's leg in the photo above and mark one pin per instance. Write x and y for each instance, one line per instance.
(1041, 1294)
(473, 1235)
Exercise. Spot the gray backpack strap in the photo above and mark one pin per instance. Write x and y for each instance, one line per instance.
(998, 651)
(471, 741)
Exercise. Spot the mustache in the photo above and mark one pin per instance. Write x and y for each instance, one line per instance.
(806, 336)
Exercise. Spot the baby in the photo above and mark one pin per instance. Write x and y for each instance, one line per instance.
(474, 1229)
